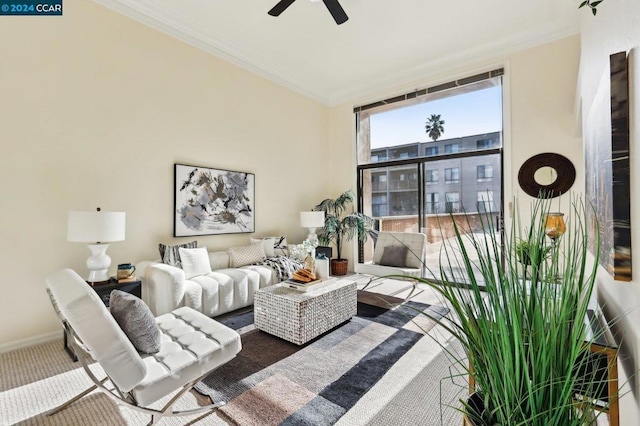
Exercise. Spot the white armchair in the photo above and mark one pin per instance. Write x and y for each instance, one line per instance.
(411, 266)
(192, 345)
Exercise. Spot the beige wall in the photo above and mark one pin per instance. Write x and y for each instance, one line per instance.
(617, 28)
(542, 90)
(94, 111)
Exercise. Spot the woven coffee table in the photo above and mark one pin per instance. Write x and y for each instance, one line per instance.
(301, 316)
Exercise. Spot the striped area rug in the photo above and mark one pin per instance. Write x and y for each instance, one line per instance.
(274, 382)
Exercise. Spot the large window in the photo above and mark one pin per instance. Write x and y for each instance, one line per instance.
(417, 174)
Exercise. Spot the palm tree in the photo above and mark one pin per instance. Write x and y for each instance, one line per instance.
(434, 127)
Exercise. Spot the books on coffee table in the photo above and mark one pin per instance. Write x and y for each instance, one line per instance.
(300, 286)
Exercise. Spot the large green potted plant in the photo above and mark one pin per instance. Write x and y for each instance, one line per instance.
(342, 224)
(523, 336)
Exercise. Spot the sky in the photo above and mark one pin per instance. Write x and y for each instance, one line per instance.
(467, 114)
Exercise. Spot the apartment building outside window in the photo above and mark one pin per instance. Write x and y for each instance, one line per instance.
(452, 202)
(379, 205)
(451, 148)
(431, 176)
(379, 182)
(431, 203)
(484, 172)
(485, 144)
(430, 151)
(485, 201)
(452, 175)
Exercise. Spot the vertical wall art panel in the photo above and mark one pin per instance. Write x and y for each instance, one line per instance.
(607, 168)
(212, 201)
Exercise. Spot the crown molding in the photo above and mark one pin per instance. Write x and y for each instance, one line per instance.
(454, 64)
(177, 29)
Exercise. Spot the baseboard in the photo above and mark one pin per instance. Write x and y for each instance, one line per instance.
(23, 343)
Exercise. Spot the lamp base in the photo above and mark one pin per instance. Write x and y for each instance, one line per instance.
(98, 263)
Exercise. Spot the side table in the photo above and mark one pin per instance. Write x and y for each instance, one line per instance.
(104, 292)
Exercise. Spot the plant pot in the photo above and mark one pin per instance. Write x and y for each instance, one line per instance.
(339, 267)
(476, 406)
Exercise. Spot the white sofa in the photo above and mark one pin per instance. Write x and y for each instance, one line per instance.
(165, 287)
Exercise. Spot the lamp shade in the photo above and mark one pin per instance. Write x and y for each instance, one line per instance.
(96, 227)
(311, 219)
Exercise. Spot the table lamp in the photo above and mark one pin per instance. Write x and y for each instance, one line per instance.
(98, 229)
(312, 220)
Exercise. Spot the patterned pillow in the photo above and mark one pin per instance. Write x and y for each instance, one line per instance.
(273, 246)
(136, 320)
(195, 262)
(170, 254)
(246, 255)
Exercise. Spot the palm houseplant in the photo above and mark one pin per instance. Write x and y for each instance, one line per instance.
(341, 224)
(523, 336)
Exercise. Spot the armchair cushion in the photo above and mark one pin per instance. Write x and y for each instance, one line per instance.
(136, 320)
(195, 261)
(171, 254)
(394, 256)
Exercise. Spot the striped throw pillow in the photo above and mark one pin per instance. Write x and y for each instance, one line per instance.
(170, 254)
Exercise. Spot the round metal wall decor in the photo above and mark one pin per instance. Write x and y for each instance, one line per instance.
(565, 175)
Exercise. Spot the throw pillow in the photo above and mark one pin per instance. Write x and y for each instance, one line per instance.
(170, 254)
(280, 245)
(246, 255)
(273, 246)
(394, 256)
(136, 320)
(195, 261)
(267, 245)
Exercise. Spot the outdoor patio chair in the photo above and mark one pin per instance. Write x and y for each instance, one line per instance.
(192, 346)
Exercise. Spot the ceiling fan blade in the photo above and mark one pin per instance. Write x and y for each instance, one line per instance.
(280, 7)
(337, 11)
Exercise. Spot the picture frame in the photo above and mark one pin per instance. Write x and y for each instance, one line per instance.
(607, 169)
(210, 201)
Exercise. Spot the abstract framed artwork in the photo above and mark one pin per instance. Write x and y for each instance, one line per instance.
(608, 169)
(212, 201)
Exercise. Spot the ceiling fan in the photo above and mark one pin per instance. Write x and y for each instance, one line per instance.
(334, 8)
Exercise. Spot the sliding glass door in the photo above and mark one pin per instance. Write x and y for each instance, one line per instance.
(468, 198)
(422, 181)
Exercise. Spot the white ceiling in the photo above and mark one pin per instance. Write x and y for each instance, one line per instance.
(384, 45)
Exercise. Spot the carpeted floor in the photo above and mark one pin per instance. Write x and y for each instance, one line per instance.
(275, 382)
(38, 378)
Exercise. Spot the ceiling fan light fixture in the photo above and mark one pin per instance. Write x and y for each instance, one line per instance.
(337, 12)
